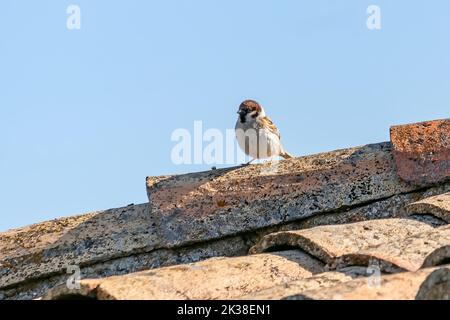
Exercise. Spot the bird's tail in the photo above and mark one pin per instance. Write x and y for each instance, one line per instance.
(286, 155)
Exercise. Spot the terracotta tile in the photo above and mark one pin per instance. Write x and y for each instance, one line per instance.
(422, 151)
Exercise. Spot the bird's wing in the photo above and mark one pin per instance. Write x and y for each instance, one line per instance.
(267, 123)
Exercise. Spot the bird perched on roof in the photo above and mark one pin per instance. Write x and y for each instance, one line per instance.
(256, 134)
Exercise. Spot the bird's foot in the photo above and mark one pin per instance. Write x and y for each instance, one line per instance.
(248, 163)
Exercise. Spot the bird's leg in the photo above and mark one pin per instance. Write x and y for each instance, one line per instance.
(248, 163)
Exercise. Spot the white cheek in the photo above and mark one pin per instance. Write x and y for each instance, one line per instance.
(251, 115)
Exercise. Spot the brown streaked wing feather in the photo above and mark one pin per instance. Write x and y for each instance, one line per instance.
(270, 125)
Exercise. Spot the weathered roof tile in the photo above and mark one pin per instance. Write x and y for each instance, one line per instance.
(320, 281)
(392, 207)
(399, 286)
(438, 206)
(436, 286)
(228, 201)
(328, 243)
(409, 253)
(183, 211)
(217, 278)
(422, 151)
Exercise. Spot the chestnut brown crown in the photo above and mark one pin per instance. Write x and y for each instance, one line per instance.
(249, 107)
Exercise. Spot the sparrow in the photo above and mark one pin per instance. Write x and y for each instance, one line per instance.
(256, 134)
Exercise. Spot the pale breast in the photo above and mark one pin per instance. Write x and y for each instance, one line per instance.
(257, 142)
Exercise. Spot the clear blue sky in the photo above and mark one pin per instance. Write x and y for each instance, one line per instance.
(86, 115)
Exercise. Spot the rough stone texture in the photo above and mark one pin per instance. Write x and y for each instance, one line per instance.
(400, 286)
(422, 151)
(232, 246)
(223, 202)
(300, 188)
(392, 207)
(320, 281)
(438, 206)
(218, 278)
(436, 286)
(438, 257)
(44, 249)
(138, 261)
(133, 263)
(229, 246)
(336, 187)
(87, 290)
(328, 243)
(408, 253)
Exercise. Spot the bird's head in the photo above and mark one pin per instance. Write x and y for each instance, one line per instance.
(250, 110)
